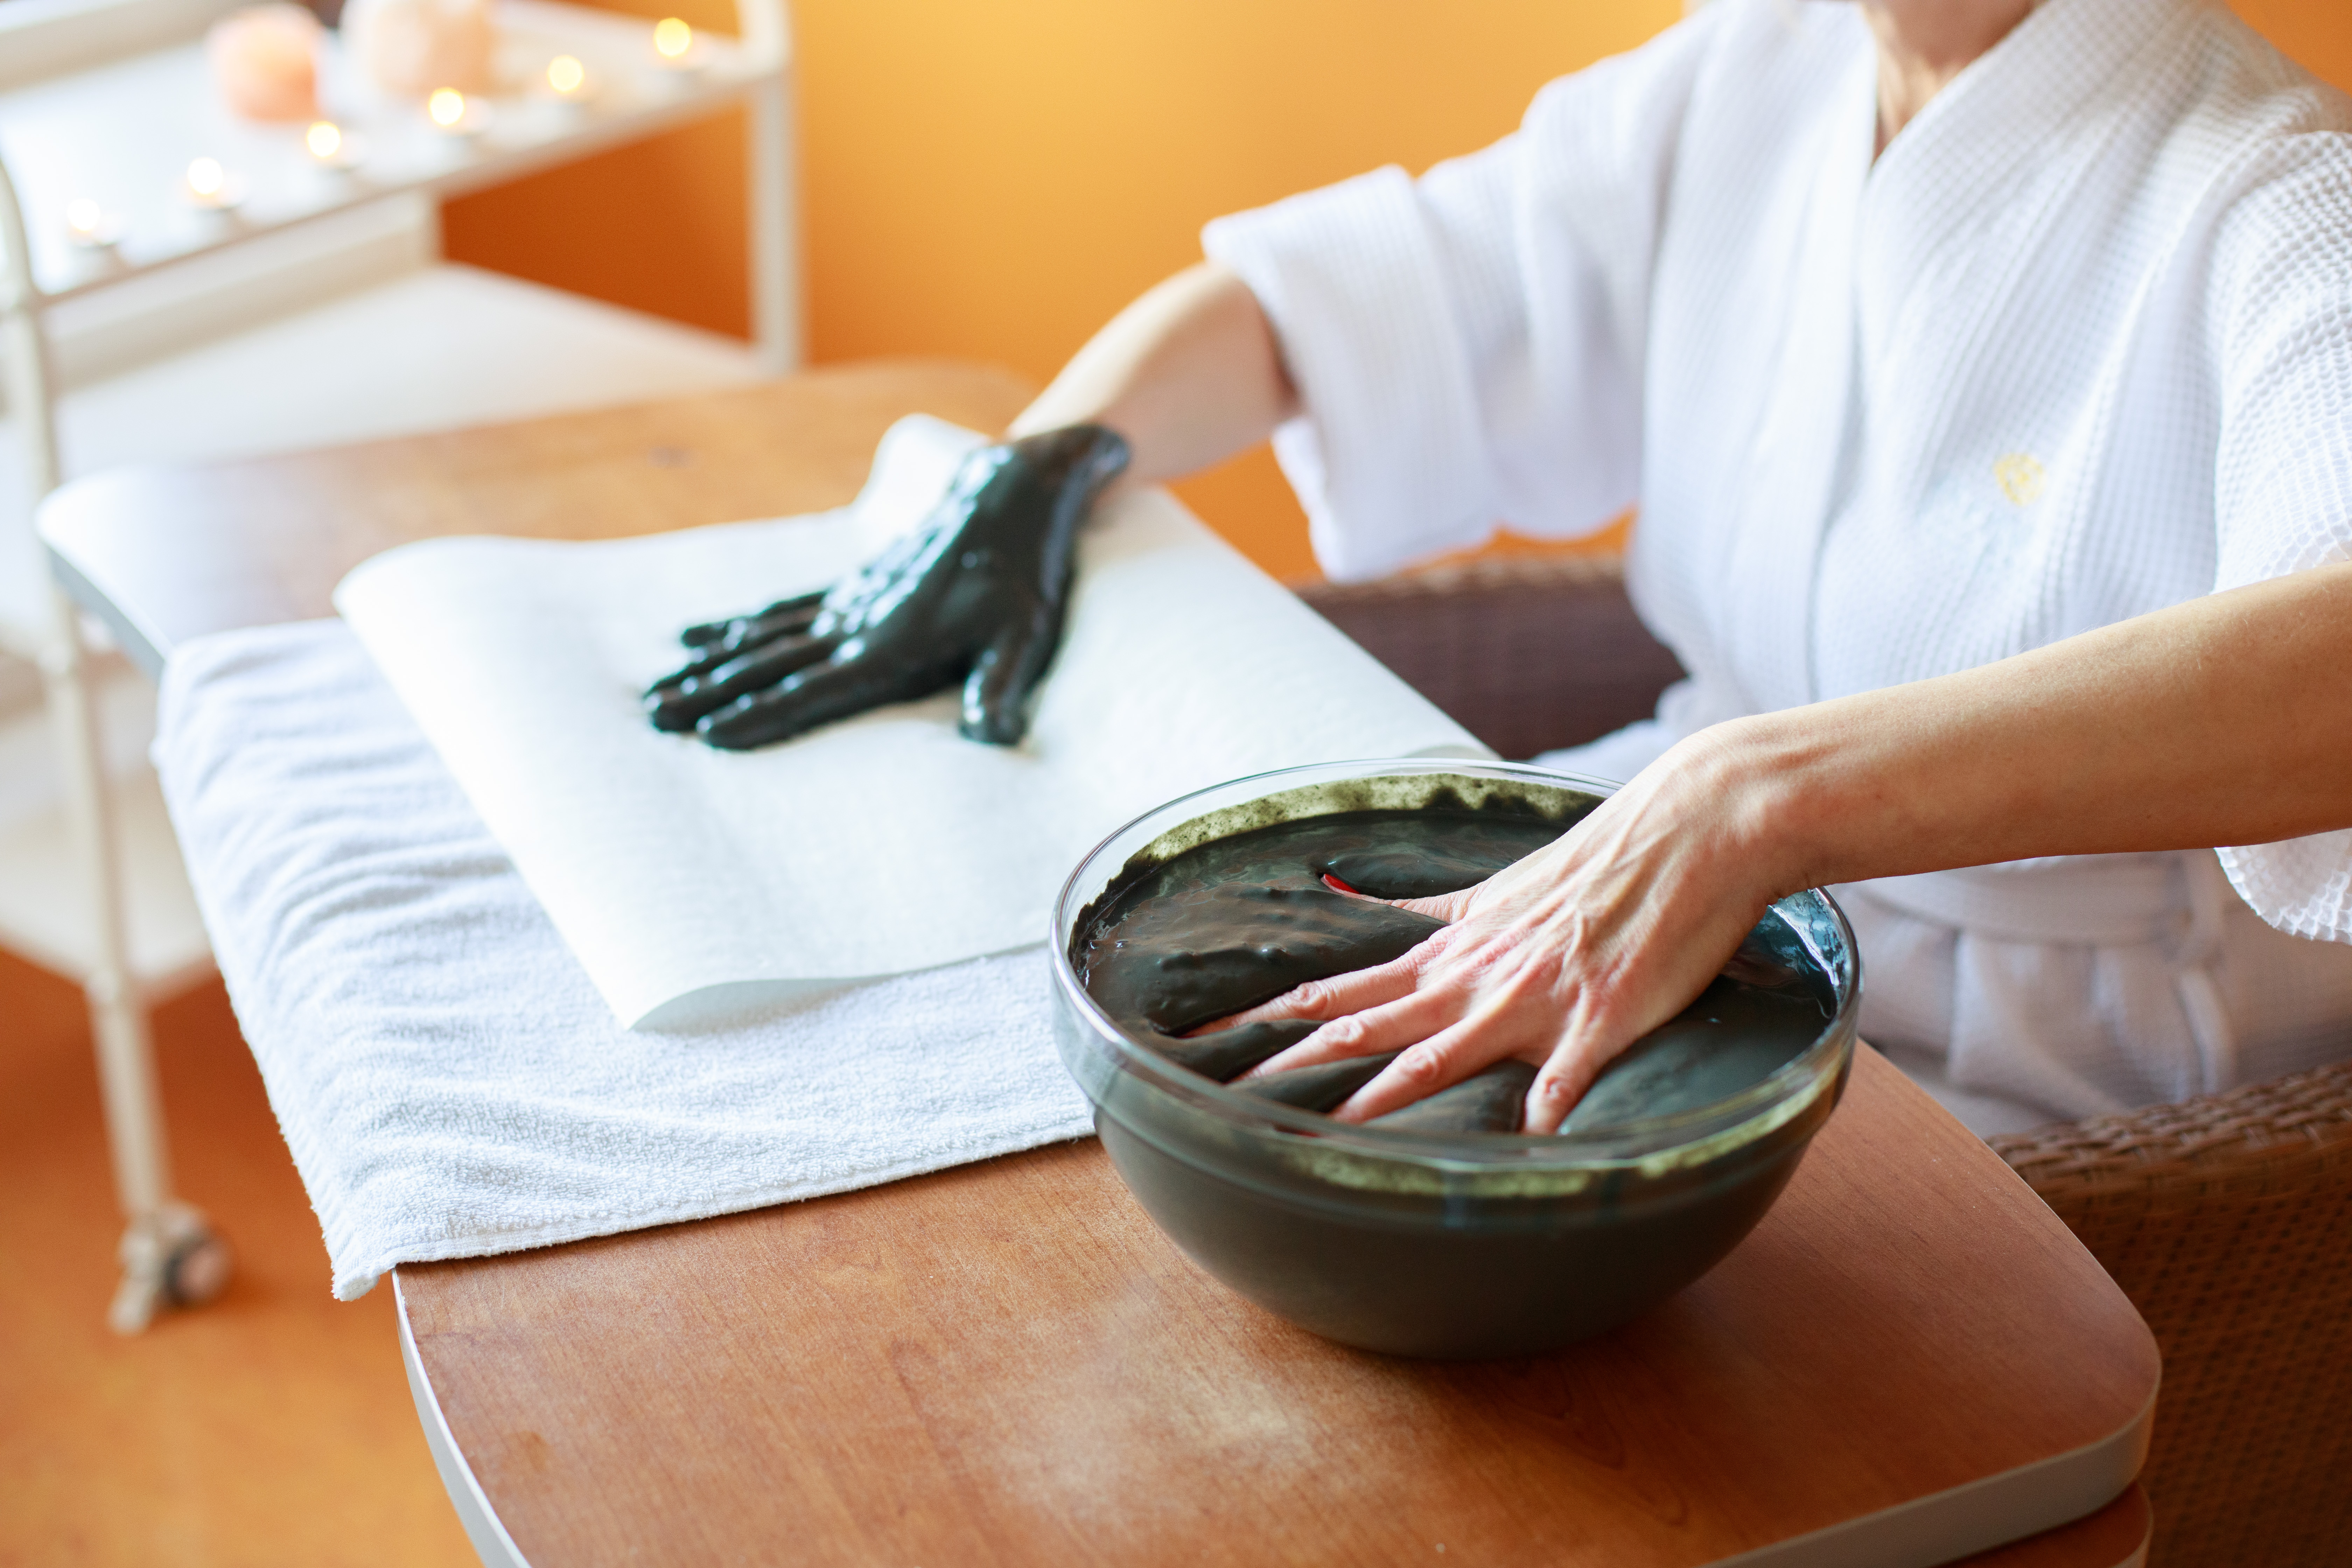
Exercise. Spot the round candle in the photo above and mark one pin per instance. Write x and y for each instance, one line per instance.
(672, 38)
(334, 152)
(566, 76)
(213, 193)
(207, 183)
(412, 46)
(264, 61)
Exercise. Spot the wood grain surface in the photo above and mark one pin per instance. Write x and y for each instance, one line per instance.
(1006, 1363)
(182, 550)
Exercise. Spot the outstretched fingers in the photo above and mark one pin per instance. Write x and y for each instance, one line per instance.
(996, 693)
(1336, 997)
(792, 615)
(679, 702)
(845, 685)
(1439, 1059)
(1392, 1024)
(1566, 1074)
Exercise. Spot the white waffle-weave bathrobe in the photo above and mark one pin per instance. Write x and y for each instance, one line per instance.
(2076, 346)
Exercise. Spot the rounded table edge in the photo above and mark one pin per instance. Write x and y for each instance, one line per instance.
(1977, 1516)
(483, 1527)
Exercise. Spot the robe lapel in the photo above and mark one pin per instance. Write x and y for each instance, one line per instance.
(1811, 425)
(1901, 270)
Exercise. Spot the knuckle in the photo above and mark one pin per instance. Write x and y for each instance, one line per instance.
(1309, 1000)
(1566, 1075)
(1433, 951)
(1341, 1033)
(1419, 1068)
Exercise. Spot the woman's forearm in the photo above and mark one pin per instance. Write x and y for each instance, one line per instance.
(1189, 373)
(2227, 719)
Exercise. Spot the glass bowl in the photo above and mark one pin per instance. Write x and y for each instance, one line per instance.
(1455, 1245)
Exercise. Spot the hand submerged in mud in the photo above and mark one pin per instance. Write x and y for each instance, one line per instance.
(1554, 964)
(974, 594)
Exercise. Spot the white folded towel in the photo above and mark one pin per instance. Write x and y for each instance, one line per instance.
(450, 1082)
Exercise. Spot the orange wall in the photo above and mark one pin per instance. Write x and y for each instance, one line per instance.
(659, 225)
(994, 178)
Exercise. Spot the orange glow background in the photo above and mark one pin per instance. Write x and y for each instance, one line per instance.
(993, 179)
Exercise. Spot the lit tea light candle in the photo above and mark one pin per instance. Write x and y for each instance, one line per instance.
(209, 187)
(677, 56)
(457, 120)
(568, 90)
(334, 152)
(459, 116)
(88, 224)
(212, 193)
(95, 235)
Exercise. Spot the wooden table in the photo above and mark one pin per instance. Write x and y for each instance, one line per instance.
(1006, 1363)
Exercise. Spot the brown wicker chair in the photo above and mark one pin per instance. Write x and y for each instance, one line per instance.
(2227, 1219)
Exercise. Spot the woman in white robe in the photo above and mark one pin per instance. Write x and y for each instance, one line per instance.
(1931, 337)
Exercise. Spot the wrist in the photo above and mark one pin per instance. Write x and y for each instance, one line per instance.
(1762, 787)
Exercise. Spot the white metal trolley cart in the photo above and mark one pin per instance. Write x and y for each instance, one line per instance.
(92, 125)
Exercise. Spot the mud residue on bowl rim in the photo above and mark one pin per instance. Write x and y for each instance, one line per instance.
(1558, 802)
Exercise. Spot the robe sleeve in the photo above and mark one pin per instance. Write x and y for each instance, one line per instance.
(1467, 345)
(2283, 494)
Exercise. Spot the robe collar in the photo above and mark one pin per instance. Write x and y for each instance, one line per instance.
(1973, 149)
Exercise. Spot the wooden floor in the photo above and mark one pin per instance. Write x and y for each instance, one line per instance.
(273, 1426)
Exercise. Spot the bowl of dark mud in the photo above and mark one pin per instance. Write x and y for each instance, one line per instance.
(1441, 1230)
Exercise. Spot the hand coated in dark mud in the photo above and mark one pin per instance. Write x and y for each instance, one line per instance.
(1240, 920)
(973, 596)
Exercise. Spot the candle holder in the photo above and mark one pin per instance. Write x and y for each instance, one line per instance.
(212, 196)
(677, 55)
(454, 124)
(96, 235)
(335, 154)
(569, 89)
(457, 115)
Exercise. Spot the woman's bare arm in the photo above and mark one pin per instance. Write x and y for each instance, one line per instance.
(1189, 373)
(2227, 719)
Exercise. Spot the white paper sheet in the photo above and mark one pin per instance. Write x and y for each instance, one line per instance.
(691, 883)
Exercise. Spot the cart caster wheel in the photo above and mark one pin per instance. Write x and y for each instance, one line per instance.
(199, 1270)
(171, 1257)
(135, 1302)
